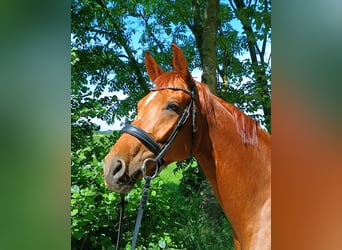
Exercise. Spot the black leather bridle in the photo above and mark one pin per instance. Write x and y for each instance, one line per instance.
(159, 151)
(152, 144)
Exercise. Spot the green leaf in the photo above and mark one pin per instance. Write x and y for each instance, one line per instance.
(75, 189)
(162, 244)
(74, 212)
(75, 195)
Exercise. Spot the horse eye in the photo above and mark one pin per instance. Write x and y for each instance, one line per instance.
(172, 106)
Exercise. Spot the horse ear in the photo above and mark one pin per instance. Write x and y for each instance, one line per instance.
(180, 65)
(153, 69)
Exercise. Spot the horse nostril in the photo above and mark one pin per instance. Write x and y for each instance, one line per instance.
(117, 167)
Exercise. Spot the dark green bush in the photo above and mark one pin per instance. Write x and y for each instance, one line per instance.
(174, 217)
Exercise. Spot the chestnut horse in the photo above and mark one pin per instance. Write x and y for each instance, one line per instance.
(232, 149)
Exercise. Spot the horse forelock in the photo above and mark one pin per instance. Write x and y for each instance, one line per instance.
(170, 79)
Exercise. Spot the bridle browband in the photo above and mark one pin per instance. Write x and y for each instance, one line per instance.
(152, 144)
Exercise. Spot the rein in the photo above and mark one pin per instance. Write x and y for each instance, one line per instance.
(121, 215)
(160, 152)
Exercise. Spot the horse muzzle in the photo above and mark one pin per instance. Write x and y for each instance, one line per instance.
(116, 176)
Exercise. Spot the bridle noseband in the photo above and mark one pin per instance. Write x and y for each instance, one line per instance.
(152, 144)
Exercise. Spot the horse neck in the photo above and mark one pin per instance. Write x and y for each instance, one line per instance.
(238, 173)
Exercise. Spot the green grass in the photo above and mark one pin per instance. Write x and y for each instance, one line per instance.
(170, 179)
(168, 175)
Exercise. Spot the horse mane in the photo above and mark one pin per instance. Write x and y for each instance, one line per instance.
(246, 126)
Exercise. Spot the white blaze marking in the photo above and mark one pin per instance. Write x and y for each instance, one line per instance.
(149, 99)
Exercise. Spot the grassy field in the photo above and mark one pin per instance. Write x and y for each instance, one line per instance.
(194, 220)
(170, 178)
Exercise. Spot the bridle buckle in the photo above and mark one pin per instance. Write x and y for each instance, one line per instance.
(144, 166)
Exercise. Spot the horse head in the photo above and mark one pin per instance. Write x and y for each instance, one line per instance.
(162, 114)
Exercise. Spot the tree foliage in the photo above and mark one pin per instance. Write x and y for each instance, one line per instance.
(108, 42)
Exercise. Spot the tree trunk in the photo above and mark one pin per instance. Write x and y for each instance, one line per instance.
(210, 23)
(205, 31)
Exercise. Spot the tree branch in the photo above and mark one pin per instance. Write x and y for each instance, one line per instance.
(232, 5)
(160, 46)
(265, 32)
(123, 42)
